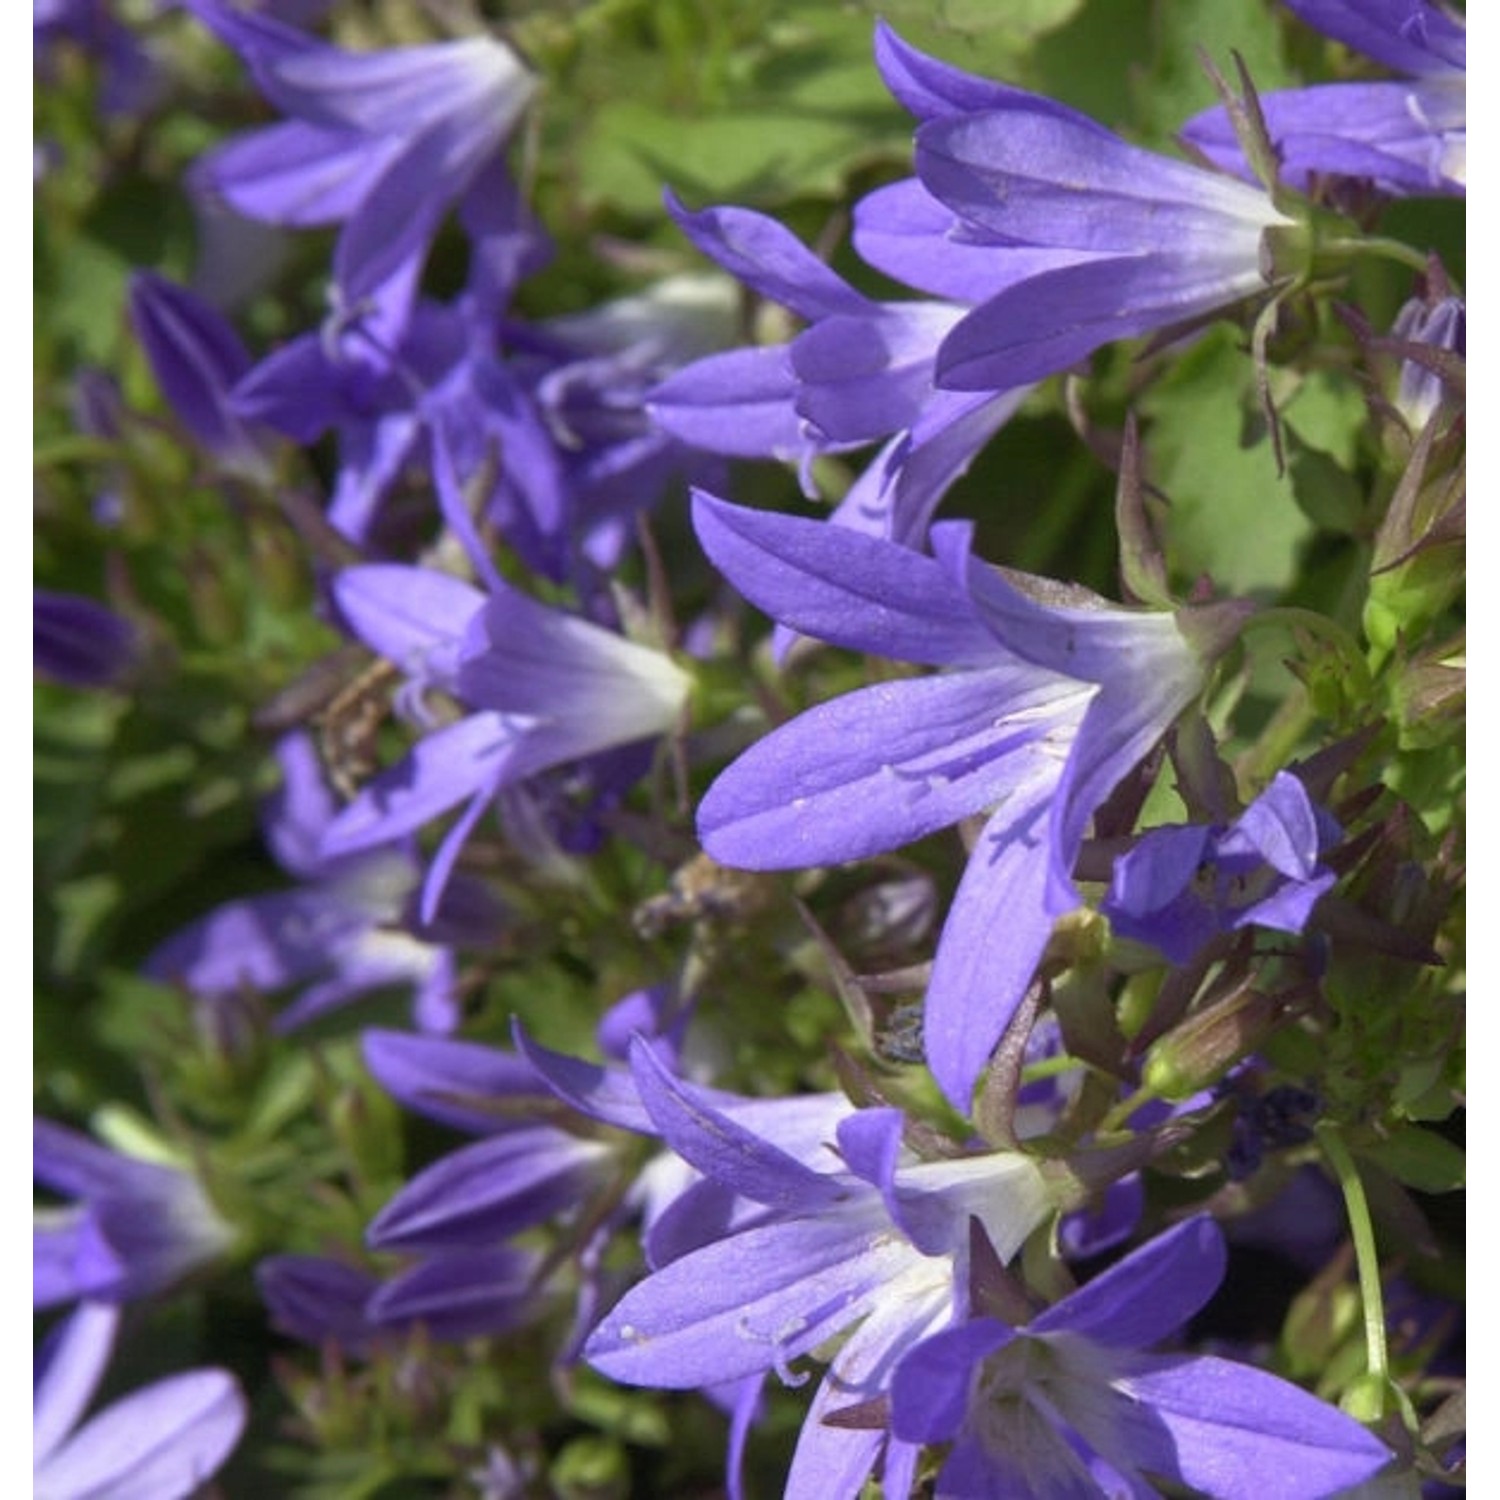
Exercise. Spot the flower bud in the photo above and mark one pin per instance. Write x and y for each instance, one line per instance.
(1199, 1050)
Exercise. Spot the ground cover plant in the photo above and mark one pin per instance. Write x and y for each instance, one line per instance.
(749, 749)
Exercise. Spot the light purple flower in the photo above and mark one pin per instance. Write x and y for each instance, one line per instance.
(347, 930)
(383, 142)
(1039, 712)
(1068, 1405)
(162, 1442)
(197, 359)
(861, 371)
(852, 1236)
(133, 1228)
(1441, 326)
(546, 688)
(1089, 239)
(1406, 136)
(1180, 887)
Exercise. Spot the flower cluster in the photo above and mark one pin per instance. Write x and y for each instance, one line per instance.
(640, 809)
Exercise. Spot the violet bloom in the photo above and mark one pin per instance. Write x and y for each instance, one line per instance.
(347, 930)
(1407, 136)
(1068, 1405)
(545, 687)
(197, 359)
(1041, 709)
(560, 1141)
(1093, 239)
(80, 643)
(384, 143)
(1441, 326)
(1181, 887)
(134, 1228)
(862, 371)
(849, 1238)
(162, 1442)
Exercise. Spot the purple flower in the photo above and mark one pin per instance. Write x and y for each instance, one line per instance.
(862, 371)
(546, 688)
(1085, 239)
(858, 1238)
(346, 930)
(1041, 709)
(1180, 887)
(197, 359)
(1440, 326)
(383, 142)
(162, 1442)
(80, 643)
(1406, 136)
(134, 1228)
(1068, 1405)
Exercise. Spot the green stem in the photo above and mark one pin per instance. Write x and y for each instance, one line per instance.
(1376, 245)
(1116, 1118)
(1365, 1256)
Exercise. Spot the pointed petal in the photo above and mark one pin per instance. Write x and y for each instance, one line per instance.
(739, 403)
(292, 174)
(260, 942)
(489, 1190)
(886, 765)
(159, 1443)
(414, 617)
(1221, 1427)
(723, 1150)
(996, 933)
(452, 1082)
(439, 771)
(463, 1294)
(1147, 1296)
(768, 258)
(68, 1370)
(751, 1303)
(840, 587)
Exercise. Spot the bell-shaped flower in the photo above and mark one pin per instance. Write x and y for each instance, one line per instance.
(161, 1442)
(383, 142)
(133, 1227)
(854, 1238)
(1180, 887)
(545, 687)
(1406, 135)
(1090, 239)
(1068, 1405)
(862, 371)
(1041, 709)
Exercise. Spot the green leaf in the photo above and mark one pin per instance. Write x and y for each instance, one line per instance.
(1421, 1159)
(1232, 516)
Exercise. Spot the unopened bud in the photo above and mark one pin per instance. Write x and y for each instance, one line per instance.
(1199, 1050)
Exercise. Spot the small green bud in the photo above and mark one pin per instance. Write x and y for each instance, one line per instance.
(1199, 1050)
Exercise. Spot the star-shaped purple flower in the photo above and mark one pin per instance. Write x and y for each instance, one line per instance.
(1040, 709)
(1069, 1406)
